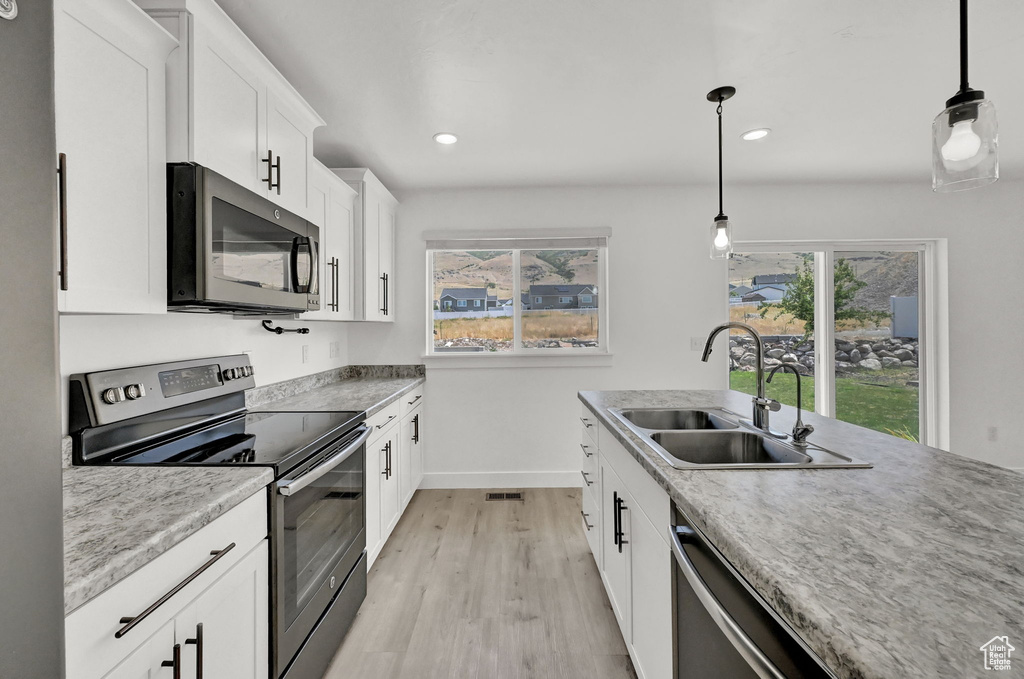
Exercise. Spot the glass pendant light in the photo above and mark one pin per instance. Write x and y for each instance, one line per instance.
(965, 136)
(721, 231)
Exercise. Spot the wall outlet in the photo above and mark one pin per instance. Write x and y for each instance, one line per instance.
(335, 349)
(696, 344)
(305, 353)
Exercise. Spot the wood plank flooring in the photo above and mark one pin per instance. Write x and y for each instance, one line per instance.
(468, 588)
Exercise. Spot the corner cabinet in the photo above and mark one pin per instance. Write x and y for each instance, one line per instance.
(626, 517)
(229, 109)
(331, 206)
(109, 89)
(374, 260)
(216, 624)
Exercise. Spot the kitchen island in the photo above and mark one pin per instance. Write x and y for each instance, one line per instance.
(905, 569)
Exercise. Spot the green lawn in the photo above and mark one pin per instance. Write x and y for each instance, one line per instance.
(882, 407)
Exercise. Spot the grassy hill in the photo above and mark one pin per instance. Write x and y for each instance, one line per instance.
(493, 269)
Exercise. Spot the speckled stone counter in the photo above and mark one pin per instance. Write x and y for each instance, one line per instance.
(118, 519)
(369, 393)
(903, 570)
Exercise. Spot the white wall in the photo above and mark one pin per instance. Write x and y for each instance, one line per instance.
(517, 421)
(89, 343)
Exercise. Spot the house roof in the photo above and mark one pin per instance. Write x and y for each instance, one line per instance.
(768, 279)
(492, 298)
(780, 288)
(754, 297)
(740, 289)
(464, 293)
(561, 290)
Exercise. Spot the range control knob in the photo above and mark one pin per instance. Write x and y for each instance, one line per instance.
(134, 391)
(248, 370)
(112, 395)
(229, 374)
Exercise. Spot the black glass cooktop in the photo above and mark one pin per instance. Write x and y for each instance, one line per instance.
(281, 440)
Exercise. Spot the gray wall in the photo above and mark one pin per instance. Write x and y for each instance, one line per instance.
(31, 545)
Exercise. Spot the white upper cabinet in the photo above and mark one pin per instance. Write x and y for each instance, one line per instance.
(110, 119)
(331, 206)
(374, 246)
(229, 109)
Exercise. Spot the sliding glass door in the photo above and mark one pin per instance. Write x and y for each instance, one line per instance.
(850, 317)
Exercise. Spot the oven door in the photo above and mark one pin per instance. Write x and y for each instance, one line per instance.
(318, 536)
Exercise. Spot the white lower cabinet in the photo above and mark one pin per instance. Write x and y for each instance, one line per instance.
(216, 625)
(626, 520)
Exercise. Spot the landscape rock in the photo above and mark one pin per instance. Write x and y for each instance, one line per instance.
(904, 354)
(870, 364)
(748, 359)
(790, 358)
(775, 353)
(889, 362)
(910, 364)
(771, 362)
(737, 352)
(882, 353)
(855, 356)
(845, 347)
(842, 356)
(864, 349)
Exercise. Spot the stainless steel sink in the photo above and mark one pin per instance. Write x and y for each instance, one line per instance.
(726, 448)
(716, 438)
(677, 418)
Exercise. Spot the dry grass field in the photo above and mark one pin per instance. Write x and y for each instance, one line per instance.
(536, 325)
(783, 325)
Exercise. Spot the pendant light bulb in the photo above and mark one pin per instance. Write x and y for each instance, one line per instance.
(721, 239)
(721, 231)
(965, 137)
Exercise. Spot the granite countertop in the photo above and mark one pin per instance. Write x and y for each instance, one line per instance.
(354, 393)
(905, 569)
(118, 519)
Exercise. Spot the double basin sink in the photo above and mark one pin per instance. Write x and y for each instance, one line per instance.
(715, 438)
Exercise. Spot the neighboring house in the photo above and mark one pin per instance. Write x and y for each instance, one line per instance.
(492, 301)
(463, 299)
(739, 290)
(773, 279)
(765, 293)
(562, 297)
(525, 301)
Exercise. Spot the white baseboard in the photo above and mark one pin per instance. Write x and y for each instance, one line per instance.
(501, 480)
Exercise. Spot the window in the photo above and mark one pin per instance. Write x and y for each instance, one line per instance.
(850, 317)
(586, 299)
(462, 304)
(514, 271)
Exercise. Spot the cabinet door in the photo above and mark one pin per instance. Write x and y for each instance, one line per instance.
(616, 562)
(416, 456)
(651, 607)
(340, 244)
(386, 256)
(231, 619)
(374, 482)
(390, 500)
(290, 143)
(146, 662)
(317, 205)
(409, 447)
(109, 87)
(373, 282)
(228, 114)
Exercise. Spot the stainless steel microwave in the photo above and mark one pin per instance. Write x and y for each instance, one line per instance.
(232, 251)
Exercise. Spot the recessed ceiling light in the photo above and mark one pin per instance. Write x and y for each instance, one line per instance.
(445, 138)
(759, 133)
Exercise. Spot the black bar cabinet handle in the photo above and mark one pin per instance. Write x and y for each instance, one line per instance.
(389, 459)
(585, 515)
(385, 451)
(198, 641)
(278, 166)
(335, 284)
(615, 518)
(585, 451)
(619, 506)
(384, 304)
(133, 621)
(586, 477)
(269, 160)
(174, 662)
(62, 204)
(385, 422)
(416, 429)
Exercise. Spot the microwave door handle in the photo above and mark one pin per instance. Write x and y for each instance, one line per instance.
(743, 644)
(302, 243)
(293, 486)
(314, 265)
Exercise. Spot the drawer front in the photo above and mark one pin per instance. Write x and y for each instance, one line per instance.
(591, 521)
(589, 423)
(92, 650)
(411, 400)
(381, 422)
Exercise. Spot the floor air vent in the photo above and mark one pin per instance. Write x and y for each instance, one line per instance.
(515, 497)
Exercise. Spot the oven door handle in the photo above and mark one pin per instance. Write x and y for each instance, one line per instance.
(746, 647)
(295, 485)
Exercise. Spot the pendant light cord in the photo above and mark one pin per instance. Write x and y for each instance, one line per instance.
(720, 211)
(963, 47)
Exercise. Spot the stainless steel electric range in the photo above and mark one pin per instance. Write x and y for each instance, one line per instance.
(193, 412)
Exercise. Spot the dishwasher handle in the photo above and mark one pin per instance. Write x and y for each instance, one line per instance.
(743, 644)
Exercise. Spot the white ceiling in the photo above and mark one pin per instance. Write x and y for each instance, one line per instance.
(571, 92)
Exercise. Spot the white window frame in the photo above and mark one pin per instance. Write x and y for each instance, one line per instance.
(565, 300)
(586, 299)
(476, 304)
(525, 239)
(933, 322)
(460, 304)
(538, 300)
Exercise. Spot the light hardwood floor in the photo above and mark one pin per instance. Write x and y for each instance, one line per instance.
(468, 588)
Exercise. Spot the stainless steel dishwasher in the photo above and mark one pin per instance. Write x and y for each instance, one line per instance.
(723, 628)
